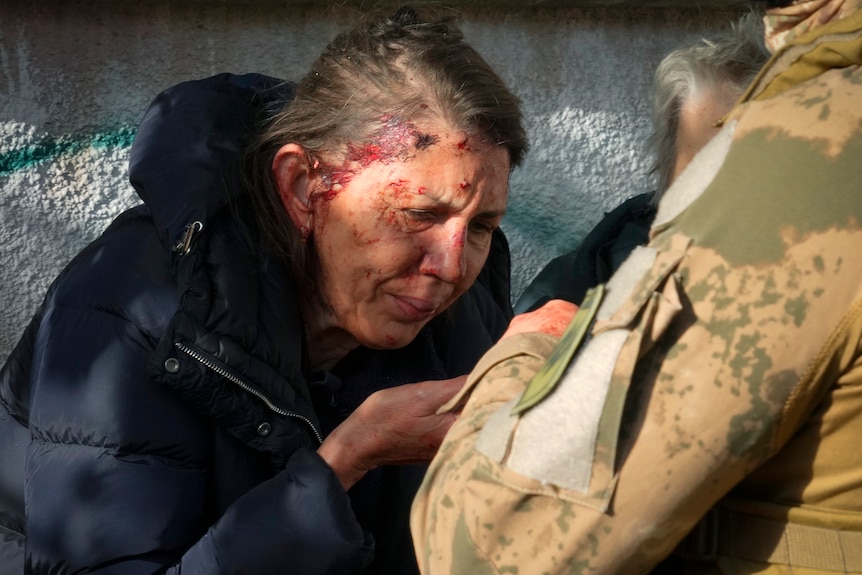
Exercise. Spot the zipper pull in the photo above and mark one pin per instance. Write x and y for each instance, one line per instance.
(184, 246)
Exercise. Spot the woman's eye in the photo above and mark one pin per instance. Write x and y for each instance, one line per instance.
(482, 227)
(415, 220)
(420, 215)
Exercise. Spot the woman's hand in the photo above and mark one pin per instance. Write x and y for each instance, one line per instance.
(398, 425)
(552, 318)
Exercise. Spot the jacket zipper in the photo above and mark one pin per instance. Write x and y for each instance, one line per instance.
(184, 245)
(215, 366)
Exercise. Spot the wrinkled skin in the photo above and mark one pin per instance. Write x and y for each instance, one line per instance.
(402, 228)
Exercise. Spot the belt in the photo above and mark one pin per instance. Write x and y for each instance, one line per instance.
(726, 533)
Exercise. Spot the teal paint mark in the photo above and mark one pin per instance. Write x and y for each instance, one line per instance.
(555, 231)
(51, 149)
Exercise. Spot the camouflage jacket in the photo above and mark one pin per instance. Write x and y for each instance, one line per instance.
(720, 386)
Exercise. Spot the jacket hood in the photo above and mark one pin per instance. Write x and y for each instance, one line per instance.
(186, 146)
(239, 307)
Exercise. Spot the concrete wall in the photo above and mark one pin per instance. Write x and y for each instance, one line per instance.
(76, 76)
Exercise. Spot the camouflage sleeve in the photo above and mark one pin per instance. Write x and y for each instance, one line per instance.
(437, 522)
(687, 437)
(719, 360)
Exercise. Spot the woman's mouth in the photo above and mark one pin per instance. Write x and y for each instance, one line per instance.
(415, 309)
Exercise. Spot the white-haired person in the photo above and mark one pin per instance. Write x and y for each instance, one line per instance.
(693, 88)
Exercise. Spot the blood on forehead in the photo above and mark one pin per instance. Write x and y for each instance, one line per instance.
(425, 140)
(395, 140)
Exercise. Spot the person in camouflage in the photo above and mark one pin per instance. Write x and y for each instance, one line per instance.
(713, 409)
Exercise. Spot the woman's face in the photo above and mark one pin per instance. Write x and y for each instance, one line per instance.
(403, 228)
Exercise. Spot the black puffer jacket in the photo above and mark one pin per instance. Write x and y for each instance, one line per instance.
(157, 416)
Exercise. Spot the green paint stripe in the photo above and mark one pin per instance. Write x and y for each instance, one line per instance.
(50, 149)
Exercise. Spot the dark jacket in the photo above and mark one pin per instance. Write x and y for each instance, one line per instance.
(157, 415)
(605, 248)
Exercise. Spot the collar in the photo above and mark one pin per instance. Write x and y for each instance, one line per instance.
(834, 45)
(837, 44)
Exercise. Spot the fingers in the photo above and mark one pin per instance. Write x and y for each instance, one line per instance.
(552, 319)
(437, 392)
(397, 425)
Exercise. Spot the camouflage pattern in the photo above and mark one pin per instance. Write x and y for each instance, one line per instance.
(738, 386)
(785, 25)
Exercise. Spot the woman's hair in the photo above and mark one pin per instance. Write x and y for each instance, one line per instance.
(384, 70)
(731, 59)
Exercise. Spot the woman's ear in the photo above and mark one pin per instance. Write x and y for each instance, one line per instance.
(294, 178)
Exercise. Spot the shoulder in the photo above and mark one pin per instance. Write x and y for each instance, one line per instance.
(125, 272)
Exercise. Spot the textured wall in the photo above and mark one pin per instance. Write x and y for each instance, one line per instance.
(75, 78)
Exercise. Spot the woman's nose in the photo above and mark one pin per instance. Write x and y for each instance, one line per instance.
(445, 256)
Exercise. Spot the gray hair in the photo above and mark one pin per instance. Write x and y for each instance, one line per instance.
(384, 70)
(731, 59)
